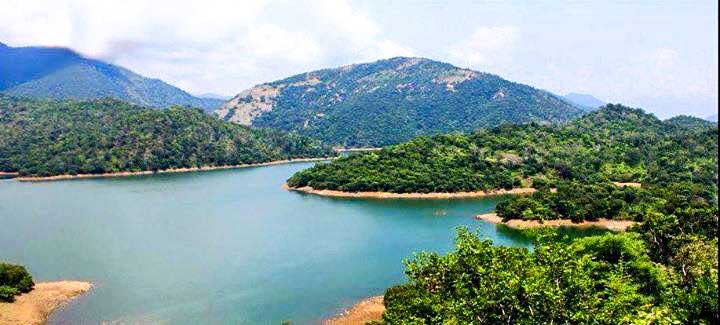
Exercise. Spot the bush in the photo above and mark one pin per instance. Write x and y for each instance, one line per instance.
(14, 280)
(7, 293)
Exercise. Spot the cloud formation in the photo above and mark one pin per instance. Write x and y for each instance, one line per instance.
(215, 45)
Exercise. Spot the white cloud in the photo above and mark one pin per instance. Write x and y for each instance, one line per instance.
(210, 46)
(485, 46)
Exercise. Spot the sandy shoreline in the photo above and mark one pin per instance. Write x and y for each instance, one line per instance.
(369, 309)
(614, 225)
(36, 306)
(4, 175)
(172, 170)
(388, 195)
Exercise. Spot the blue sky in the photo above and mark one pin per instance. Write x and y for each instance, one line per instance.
(661, 56)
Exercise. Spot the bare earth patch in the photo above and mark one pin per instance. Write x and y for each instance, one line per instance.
(630, 184)
(614, 225)
(389, 195)
(36, 306)
(365, 311)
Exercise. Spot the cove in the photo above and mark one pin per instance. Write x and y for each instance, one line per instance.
(216, 247)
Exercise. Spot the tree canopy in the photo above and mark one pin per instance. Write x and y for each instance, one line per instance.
(48, 137)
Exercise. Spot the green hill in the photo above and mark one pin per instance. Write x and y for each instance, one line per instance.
(615, 143)
(391, 101)
(60, 73)
(48, 137)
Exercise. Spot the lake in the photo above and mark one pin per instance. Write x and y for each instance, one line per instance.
(217, 247)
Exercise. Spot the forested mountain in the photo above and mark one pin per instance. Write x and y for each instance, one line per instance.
(585, 101)
(615, 143)
(50, 137)
(390, 101)
(60, 73)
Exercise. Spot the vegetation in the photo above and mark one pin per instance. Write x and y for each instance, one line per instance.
(663, 270)
(615, 143)
(45, 137)
(608, 279)
(60, 73)
(14, 280)
(391, 101)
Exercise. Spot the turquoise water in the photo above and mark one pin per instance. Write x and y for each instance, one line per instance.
(220, 247)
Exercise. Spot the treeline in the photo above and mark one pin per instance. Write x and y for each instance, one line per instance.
(615, 143)
(14, 280)
(607, 279)
(47, 137)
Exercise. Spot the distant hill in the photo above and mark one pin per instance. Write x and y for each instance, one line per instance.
(60, 73)
(54, 137)
(712, 118)
(690, 122)
(214, 96)
(390, 101)
(584, 101)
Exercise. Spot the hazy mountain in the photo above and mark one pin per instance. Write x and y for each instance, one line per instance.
(60, 73)
(712, 118)
(214, 96)
(584, 100)
(390, 101)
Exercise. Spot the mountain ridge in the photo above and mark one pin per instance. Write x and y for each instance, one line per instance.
(392, 100)
(62, 73)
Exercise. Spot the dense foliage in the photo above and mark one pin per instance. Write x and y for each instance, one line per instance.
(607, 279)
(14, 280)
(663, 270)
(394, 100)
(60, 73)
(44, 137)
(615, 143)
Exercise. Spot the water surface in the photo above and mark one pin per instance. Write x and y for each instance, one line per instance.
(217, 247)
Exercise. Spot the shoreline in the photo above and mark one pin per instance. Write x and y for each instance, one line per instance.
(163, 171)
(389, 195)
(8, 175)
(366, 310)
(36, 306)
(613, 225)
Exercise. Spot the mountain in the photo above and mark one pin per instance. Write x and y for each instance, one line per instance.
(614, 143)
(214, 96)
(41, 137)
(390, 101)
(712, 118)
(60, 73)
(584, 101)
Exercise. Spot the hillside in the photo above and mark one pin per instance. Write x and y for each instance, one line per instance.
(615, 143)
(690, 122)
(49, 137)
(60, 73)
(391, 101)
